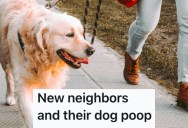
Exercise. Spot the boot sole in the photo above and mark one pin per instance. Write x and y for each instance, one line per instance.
(132, 83)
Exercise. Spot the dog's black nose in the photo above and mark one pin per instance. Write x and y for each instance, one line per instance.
(90, 51)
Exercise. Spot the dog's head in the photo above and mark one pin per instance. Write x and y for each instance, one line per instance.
(62, 36)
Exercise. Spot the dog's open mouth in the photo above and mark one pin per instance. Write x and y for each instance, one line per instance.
(72, 61)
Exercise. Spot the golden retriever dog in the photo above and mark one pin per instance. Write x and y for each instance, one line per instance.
(36, 48)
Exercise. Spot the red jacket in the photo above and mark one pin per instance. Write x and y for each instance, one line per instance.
(128, 3)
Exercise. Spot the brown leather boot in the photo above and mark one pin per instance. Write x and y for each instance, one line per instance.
(131, 70)
(182, 99)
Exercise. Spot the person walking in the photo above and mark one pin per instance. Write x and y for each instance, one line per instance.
(148, 14)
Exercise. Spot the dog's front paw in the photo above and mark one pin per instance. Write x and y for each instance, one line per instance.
(10, 100)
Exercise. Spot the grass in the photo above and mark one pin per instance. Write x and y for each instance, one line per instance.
(158, 59)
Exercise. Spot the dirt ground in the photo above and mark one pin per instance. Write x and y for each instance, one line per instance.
(158, 59)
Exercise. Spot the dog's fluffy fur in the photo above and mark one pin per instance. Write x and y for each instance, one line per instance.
(43, 32)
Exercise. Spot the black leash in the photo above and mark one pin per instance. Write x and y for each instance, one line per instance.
(87, 4)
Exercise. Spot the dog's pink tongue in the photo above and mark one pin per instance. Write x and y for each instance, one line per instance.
(84, 60)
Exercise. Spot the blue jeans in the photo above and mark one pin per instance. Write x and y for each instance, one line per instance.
(148, 13)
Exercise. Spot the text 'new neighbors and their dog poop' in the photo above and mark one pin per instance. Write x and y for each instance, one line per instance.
(88, 110)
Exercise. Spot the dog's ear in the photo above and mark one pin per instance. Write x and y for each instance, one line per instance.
(40, 28)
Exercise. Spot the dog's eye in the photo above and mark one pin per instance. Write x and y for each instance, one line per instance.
(70, 35)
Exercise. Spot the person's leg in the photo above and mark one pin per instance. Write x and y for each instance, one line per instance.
(182, 15)
(148, 13)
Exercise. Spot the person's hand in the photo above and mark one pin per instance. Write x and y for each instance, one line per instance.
(128, 3)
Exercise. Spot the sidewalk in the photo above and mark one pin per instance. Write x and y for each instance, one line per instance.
(104, 72)
(10, 116)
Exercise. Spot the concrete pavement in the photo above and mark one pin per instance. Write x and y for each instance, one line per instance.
(104, 72)
(10, 116)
